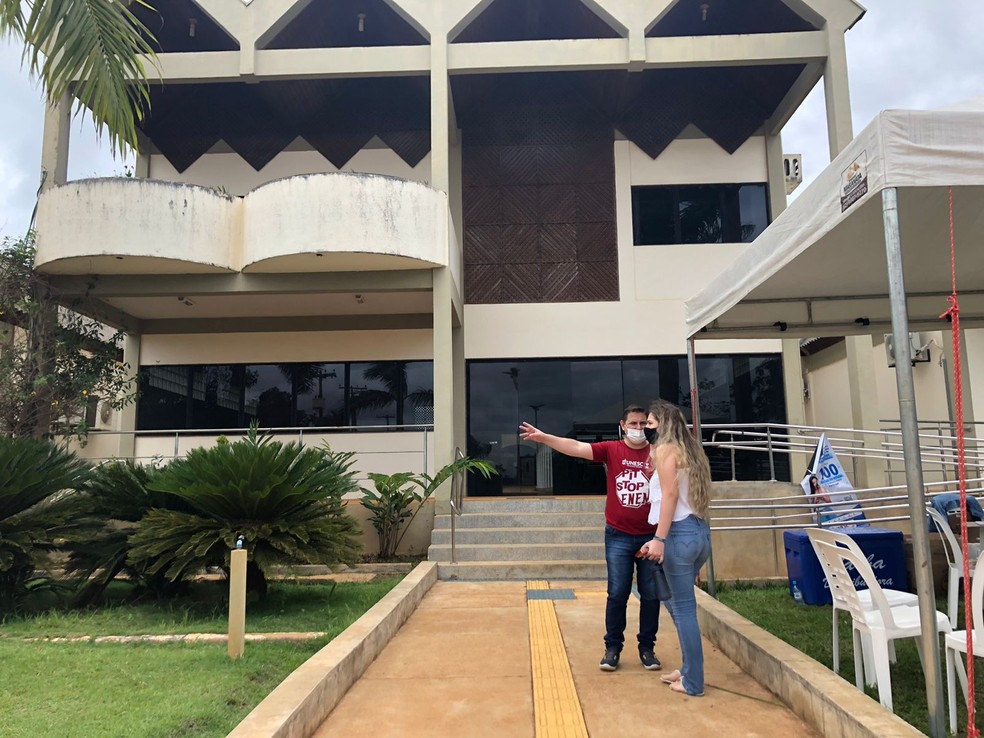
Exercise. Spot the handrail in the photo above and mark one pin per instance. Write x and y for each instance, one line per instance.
(457, 498)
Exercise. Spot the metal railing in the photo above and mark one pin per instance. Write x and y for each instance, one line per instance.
(457, 498)
(183, 441)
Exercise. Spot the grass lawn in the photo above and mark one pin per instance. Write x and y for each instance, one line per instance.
(807, 627)
(80, 690)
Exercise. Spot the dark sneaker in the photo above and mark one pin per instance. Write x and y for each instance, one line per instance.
(649, 660)
(609, 661)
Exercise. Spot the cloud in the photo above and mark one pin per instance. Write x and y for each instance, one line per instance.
(902, 54)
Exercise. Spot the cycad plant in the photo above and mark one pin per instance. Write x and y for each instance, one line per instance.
(36, 479)
(101, 519)
(397, 498)
(285, 500)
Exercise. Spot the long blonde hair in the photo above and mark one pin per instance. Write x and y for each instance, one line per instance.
(673, 431)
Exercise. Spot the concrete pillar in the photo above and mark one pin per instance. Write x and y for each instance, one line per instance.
(126, 422)
(864, 405)
(54, 143)
(141, 167)
(445, 387)
(836, 92)
(792, 365)
(792, 380)
(860, 354)
(967, 390)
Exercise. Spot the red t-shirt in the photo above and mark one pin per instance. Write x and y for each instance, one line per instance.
(627, 502)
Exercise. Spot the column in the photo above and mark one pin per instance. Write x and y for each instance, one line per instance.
(126, 422)
(54, 143)
(443, 290)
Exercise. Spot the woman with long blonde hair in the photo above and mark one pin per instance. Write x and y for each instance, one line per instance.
(679, 493)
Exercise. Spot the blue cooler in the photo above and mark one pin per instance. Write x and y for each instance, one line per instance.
(882, 547)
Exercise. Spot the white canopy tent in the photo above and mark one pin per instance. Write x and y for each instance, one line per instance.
(821, 265)
(866, 249)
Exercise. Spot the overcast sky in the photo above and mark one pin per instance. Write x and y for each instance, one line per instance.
(902, 54)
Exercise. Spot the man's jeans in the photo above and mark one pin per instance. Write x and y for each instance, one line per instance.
(620, 555)
(687, 548)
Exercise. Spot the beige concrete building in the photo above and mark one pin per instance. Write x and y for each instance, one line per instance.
(408, 225)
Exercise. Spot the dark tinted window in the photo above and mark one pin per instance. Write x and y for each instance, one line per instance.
(714, 213)
(584, 399)
(286, 395)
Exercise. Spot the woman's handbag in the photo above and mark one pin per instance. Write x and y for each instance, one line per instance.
(659, 581)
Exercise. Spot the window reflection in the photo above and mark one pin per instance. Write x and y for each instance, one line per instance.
(707, 213)
(387, 393)
(584, 399)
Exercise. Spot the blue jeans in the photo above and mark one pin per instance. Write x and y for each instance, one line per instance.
(687, 548)
(620, 555)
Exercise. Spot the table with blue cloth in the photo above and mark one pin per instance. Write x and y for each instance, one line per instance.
(883, 548)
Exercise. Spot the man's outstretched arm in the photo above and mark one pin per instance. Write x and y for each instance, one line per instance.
(566, 446)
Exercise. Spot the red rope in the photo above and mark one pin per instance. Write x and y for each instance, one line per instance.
(953, 312)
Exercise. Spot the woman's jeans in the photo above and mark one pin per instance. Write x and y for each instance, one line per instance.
(687, 548)
(620, 555)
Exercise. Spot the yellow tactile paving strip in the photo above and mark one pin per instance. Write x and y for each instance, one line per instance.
(556, 707)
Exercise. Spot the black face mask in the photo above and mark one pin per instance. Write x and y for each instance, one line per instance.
(651, 434)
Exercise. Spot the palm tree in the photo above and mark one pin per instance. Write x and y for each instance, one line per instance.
(90, 49)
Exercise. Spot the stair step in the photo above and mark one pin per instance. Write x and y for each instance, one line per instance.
(519, 552)
(498, 535)
(500, 505)
(522, 570)
(522, 520)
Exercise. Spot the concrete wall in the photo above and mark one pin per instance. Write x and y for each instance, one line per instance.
(826, 376)
(231, 173)
(654, 280)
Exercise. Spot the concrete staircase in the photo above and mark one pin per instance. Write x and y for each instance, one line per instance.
(523, 538)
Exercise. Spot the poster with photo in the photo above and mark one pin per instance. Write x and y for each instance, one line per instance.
(827, 486)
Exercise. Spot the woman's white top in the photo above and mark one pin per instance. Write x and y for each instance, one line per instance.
(683, 508)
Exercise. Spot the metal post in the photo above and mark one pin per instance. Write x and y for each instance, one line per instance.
(772, 459)
(929, 642)
(695, 409)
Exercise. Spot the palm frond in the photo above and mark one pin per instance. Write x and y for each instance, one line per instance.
(93, 50)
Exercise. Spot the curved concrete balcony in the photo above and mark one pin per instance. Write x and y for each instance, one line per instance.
(308, 223)
(344, 222)
(133, 226)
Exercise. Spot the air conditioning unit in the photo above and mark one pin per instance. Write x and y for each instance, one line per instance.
(792, 169)
(918, 348)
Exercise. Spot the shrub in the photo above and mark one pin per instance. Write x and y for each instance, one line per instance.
(102, 518)
(398, 498)
(34, 474)
(284, 499)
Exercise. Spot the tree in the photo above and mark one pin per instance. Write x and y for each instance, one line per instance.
(90, 49)
(54, 362)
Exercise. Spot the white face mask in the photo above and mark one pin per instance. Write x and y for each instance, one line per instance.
(636, 435)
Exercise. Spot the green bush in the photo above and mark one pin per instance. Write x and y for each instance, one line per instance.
(397, 498)
(36, 481)
(100, 522)
(284, 499)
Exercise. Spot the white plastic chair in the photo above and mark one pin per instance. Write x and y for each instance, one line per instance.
(957, 642)
(954, 559)
(882, 624)
(894, 597)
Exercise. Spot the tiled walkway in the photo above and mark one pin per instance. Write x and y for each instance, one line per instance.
(492, 659)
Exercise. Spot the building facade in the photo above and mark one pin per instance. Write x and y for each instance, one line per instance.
(420, 222)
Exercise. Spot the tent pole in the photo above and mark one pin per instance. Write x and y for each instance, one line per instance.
(929, 643)
(695, 410)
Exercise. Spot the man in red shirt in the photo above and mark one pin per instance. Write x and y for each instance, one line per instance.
(627, 528)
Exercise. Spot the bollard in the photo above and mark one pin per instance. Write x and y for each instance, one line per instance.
(237, 602)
